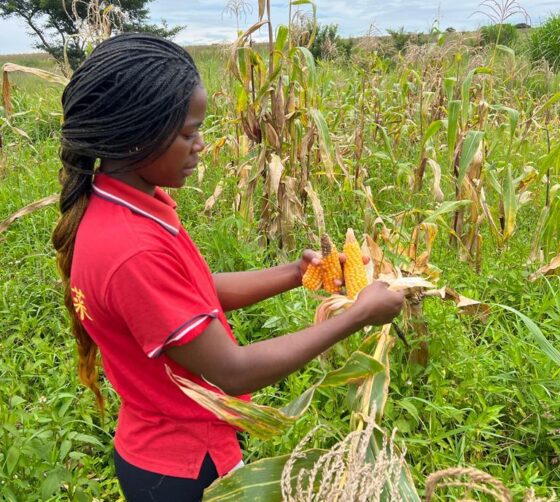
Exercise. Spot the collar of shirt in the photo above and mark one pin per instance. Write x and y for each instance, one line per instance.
(160, 207)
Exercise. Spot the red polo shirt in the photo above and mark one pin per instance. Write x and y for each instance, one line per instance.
(139, 285)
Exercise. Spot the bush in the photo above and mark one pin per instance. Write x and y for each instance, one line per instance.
(545, 43)
(400, 38)
(328, 44)
(503, 34)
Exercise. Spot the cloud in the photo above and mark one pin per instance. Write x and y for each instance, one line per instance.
(206, 22)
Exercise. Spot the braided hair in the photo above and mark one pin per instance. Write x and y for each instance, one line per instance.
(126, 102)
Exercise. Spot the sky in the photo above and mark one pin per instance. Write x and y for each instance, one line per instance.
(205, 21)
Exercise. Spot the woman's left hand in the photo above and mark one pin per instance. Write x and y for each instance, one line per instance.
(310, 257)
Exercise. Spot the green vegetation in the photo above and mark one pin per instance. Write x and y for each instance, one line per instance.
(328, 44)
(484, 122)
(545, 43)
(503, 34)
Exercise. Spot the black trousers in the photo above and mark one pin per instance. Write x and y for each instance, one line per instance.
(139, 485)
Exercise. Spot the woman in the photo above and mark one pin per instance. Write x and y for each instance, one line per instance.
(138, 290)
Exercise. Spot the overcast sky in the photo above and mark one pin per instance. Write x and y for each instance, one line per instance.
(205, 21)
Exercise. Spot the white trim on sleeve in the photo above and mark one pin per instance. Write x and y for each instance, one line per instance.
(182, 331)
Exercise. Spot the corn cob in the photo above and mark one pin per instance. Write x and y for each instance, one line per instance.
(331, 265)
(355, 276)
(313, 277)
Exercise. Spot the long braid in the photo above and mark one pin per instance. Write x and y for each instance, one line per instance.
(126, 102)
(74, 197)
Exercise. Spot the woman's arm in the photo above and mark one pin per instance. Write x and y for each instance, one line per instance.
(241, 289)
(239, 370)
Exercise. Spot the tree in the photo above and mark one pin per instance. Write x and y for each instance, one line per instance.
(63, 28)
(327, 43)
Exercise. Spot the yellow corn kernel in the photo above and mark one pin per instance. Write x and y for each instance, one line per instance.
(355, 276)
(313, 277)
(331, 265)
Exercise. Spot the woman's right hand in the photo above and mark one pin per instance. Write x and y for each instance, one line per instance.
(377, 305)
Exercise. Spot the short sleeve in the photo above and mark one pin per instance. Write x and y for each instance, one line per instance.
(158, 302)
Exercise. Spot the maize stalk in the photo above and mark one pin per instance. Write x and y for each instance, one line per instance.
(355, 276)
(332, 271)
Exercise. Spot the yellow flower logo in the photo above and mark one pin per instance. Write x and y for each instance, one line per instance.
(78, 298)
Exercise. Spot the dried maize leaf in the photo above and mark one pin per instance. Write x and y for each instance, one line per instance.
(42, 74)
(291, 211)
(404, 283)
(317, 207)
(47, 201)
(551, 269)
(211, 201)
(275, 170)
(331, 306)
(436, 190)
(380, 265)
(467, 306)
(272, 136)
(7, 94)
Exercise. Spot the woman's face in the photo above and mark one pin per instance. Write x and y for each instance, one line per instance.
(180, 159)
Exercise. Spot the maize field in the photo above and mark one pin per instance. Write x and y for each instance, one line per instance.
(439, 162)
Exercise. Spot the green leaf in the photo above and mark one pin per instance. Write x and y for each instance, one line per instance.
(387, 142)
(449, 86)
(12, 459)
(281, 39)
(508, 50)
(513, 116)
(433, 129)
(446, 207)
(258, 481)
(552, 352)
(550, 102)
(86, 438)
(358, 366)
(308, 64)
(15, 401)
(470, 147)
(50, 484)
(8, 494)
(466, 92)
(65, 448)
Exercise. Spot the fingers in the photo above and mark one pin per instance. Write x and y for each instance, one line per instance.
(342, 256)
(311, 256)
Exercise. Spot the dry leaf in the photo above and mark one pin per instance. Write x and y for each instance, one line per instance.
(551, 269)
(47, 201)
(209, 204)
(317, 208)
